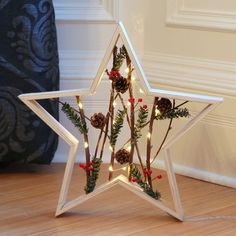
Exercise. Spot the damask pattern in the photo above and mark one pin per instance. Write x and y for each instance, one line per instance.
(3, 3)
(28, 63)
(34, 25)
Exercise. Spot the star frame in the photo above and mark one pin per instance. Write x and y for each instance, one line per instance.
(30, 100)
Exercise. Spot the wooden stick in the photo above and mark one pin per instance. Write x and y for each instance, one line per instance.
(136, 145)
(140, 159)
(165, 137)
(132, 116)
(111, 109)
(149, 138)
(181, 104)
(86, 139)
(126, 143)
(106, 134)
(98, 143)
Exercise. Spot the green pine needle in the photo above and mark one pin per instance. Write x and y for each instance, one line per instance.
(174, 114)
(119, 57)
(141, 121)
(92, 179)
(116, 128)
(135, 173)
(73, 116)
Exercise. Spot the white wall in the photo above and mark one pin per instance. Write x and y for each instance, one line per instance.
(189, 47)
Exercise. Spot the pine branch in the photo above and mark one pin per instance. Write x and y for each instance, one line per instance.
(114, 57)
(91, 183)
(135, 173)
(74, 118)
(174, 114)
(116, 127)
(141, 121)
(118, 58)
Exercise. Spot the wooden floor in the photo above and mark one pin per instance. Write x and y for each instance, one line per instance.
(28, 199)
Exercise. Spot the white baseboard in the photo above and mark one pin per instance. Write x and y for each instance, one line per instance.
(201, 174)
(182, 170)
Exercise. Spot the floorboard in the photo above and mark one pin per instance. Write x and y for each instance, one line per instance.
(28, 198)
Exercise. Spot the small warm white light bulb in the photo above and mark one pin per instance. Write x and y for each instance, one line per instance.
(127, 70)
(80, 105)
(133, 78)
(114, 103)
(141, 91)
(129, 148)
(111, 148)
(124, 168)
(110, 168)
(157, 112)
(149, 135)
(86, 145)
(128, 104)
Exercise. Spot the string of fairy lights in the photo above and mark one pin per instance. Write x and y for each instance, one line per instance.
(127, 147)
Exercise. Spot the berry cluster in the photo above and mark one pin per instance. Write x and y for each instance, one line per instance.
(147, 172)
(89, 168)
(132, 100)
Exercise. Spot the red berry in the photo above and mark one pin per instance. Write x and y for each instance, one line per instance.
(134, 180)
(89, 168)
(118, 72)
(140, 100)
(131, 100)
(114, 73)
(90, 163)
(82, 166)
(144, 106)
(147, 172)
(159, 176)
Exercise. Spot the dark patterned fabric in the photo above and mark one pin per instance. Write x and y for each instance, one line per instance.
(28, 63)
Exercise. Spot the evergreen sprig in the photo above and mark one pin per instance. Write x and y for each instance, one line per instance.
(119, 57)
(141, 121)
(135, 173)
(173, 114)
(73, 116)
(92, 179)
(116, 128)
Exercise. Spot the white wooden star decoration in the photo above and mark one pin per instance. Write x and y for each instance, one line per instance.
(31, 101)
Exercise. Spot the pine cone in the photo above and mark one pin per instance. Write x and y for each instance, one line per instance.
(98, 120)
(164, 105)
(120, 84)
(122, 156)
